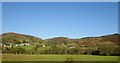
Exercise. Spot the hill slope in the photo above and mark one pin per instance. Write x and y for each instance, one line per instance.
(105, 40)
(15, 37)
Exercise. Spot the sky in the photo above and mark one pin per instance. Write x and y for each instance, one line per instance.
(56, 19)
(60, 0)
(0, 17)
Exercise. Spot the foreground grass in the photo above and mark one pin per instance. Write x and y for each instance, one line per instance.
(25, 57)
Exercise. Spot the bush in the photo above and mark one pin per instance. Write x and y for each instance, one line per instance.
(96, 52)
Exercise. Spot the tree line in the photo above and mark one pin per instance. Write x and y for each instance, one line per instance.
(102, 50)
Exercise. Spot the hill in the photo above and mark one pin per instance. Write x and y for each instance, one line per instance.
(12, 37)
(26, 44)
(101, 40)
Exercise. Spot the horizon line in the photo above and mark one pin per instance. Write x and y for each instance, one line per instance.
(60, 36)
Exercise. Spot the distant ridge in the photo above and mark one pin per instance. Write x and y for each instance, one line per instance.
(12, 37)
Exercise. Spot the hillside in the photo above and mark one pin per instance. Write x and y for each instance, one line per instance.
(101, 40)
(26, 44)
(15, 37)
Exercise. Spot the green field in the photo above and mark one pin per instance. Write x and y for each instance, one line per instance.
(24, 57)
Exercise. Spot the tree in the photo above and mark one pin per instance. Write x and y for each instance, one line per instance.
(19, 50)
(74, 51)
(107, 50)
(96, 52)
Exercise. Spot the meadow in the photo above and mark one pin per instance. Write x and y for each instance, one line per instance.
(26, 57)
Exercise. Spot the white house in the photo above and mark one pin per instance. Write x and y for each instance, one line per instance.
(7, 45)
(43, 45)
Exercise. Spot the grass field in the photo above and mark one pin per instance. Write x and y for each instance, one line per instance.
(23, 57)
